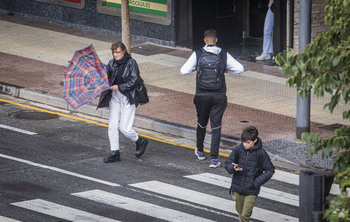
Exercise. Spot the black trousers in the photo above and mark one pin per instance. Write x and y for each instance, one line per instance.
(210, 107)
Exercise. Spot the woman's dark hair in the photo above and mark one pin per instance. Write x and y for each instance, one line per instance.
(118, 45)
(249, 133)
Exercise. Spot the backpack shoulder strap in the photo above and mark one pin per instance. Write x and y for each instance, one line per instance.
(260, 159)
(236, 154)
(223, 55)
(198, 54)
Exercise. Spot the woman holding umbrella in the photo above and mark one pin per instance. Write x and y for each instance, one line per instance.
(123, 75)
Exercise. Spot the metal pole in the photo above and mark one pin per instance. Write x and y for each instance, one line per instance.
(303, 104)
(291, 23)
(126, 39)
(305, 195)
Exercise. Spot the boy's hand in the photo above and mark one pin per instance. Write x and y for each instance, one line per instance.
(237, 168)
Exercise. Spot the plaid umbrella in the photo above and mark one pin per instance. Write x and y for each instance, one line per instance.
(84, 78)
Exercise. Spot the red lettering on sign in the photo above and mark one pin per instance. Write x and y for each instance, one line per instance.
(74, 1)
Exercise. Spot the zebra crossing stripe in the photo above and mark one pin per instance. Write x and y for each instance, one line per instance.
(17, 130)
(138, 206)
(286, 177)
(292, 178)
(209, 200)
(59, 170)
(6, 219)
(265, 192)
(60, 211)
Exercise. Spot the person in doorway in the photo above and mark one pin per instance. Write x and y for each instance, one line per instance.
(268, 30)
(123, 75)
(251, 168)
(210, 98)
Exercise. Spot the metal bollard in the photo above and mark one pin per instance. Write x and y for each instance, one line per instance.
(314, 187)
(317, 216)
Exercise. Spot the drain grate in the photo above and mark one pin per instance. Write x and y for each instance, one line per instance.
(148, 50)
(332, 127)
(33, 115)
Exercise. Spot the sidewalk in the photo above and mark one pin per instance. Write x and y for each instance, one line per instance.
(34, 55)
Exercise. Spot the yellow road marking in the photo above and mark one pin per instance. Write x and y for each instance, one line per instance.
(101, 124)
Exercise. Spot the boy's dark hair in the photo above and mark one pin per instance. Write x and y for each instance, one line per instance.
(210, 34)
(249, 133)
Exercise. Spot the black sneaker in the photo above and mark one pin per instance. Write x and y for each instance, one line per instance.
(141, 145)
(112, 157)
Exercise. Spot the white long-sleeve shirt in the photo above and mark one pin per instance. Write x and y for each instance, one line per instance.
(232, 66)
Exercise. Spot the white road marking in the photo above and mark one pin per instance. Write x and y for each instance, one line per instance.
(6, 219)
(209, 200)
(286, 177)
(265, 192)
(292, 178)
(60, 211)
(59, 170)
(17, 130)
(138, 206)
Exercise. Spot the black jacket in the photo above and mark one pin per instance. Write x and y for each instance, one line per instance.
(130, 77)
(249, 181)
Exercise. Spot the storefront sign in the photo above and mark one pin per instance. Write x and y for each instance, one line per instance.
(154, 11)
(155, 7)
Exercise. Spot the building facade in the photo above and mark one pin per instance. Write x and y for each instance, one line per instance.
(179, 22)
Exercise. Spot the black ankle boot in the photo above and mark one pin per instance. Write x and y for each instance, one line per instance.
(112, 157)
(141, 145)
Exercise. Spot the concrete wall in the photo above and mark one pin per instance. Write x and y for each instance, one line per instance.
(318, 24)
(90, 18)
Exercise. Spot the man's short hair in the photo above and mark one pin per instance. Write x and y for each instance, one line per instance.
(249, 133)
(210, 34)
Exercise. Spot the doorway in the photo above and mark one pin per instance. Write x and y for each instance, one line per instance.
(239, 24)
(222, 15)
(257, 12)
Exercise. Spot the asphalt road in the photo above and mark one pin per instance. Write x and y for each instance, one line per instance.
(51, 169)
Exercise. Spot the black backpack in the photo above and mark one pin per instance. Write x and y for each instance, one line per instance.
(210, 69)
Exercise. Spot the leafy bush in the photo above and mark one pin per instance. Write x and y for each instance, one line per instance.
(324, 68)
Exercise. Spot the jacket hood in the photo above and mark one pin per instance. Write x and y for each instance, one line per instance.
(212, 48)
(258, 145)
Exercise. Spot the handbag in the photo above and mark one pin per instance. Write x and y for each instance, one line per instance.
(141, 92)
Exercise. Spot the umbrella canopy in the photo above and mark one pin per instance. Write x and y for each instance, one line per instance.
(84, 78)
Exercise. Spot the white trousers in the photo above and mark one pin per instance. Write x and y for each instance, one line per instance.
(268, 29)
(122, 115)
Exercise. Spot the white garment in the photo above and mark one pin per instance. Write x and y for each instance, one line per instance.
(268, 29)
(122, 115)
(233, 66)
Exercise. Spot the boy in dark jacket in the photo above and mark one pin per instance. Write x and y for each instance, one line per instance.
(251, 168)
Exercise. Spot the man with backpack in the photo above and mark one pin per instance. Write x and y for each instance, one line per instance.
(210, 98)
(251, 168)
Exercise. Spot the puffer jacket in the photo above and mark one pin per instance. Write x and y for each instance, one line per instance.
(249, 181)
(130, 77)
